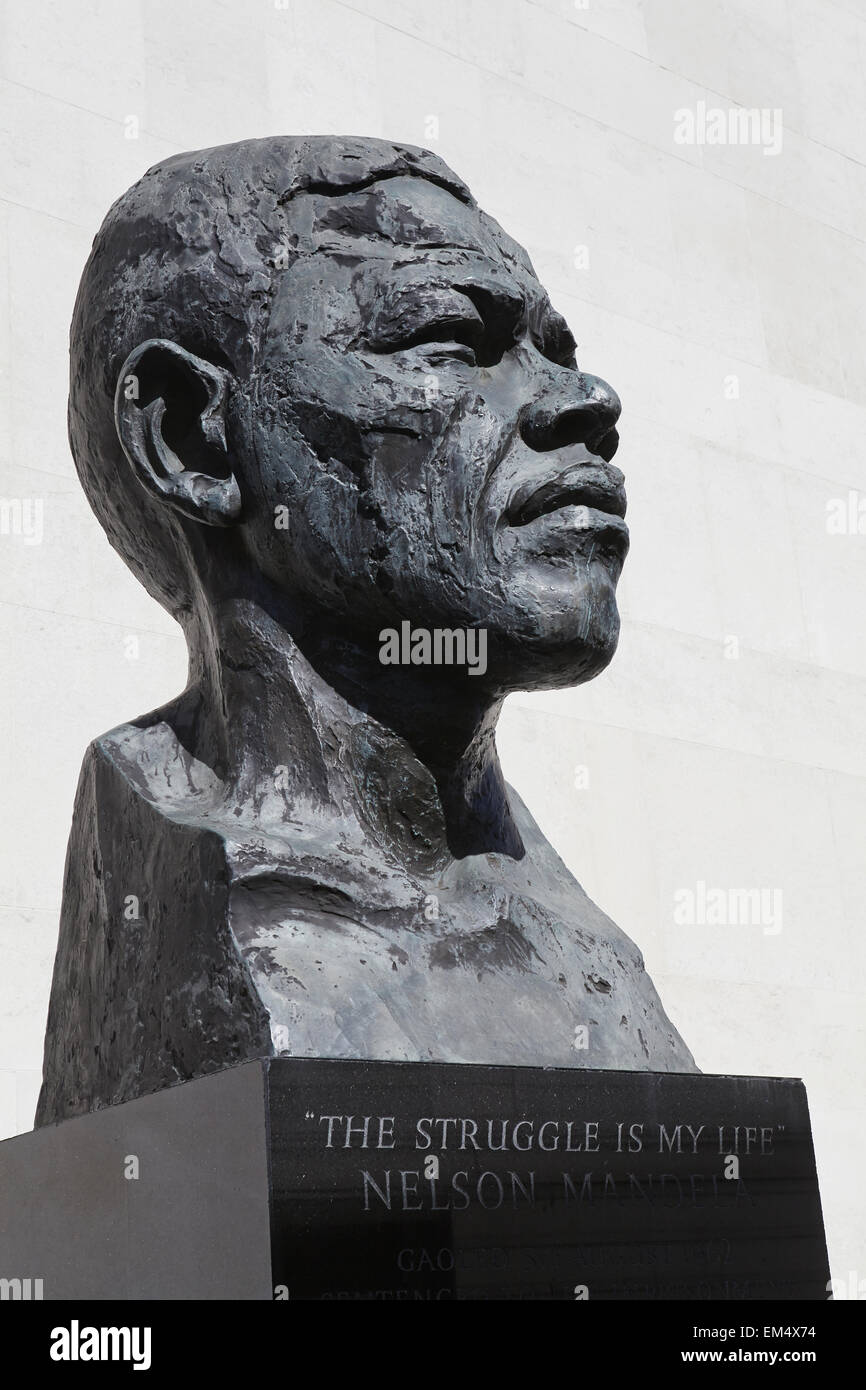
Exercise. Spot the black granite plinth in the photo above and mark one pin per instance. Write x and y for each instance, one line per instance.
(343, 1180)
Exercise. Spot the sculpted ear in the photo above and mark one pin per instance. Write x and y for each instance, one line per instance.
(169, 410)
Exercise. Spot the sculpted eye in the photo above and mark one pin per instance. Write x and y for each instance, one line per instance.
(473, 324)
(451, 351)
(457, 336)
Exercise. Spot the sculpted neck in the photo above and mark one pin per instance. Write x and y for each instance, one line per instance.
(326, 733)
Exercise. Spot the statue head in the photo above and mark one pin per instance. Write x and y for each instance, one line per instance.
(313, 374)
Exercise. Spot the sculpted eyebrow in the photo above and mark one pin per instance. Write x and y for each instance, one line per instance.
(494, 309)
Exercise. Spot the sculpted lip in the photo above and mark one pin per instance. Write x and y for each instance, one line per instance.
(583, 484)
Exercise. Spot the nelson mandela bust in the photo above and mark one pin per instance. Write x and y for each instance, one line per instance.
(325, 412)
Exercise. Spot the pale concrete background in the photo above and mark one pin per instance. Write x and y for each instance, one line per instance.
(720, 289)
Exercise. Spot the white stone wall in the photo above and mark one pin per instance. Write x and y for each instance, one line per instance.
(721, 289)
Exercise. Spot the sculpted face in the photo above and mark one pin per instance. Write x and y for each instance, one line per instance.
(420, 427)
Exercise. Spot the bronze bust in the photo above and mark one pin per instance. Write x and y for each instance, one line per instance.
(325, 412)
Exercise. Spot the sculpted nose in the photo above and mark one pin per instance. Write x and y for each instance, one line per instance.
(584, 412)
